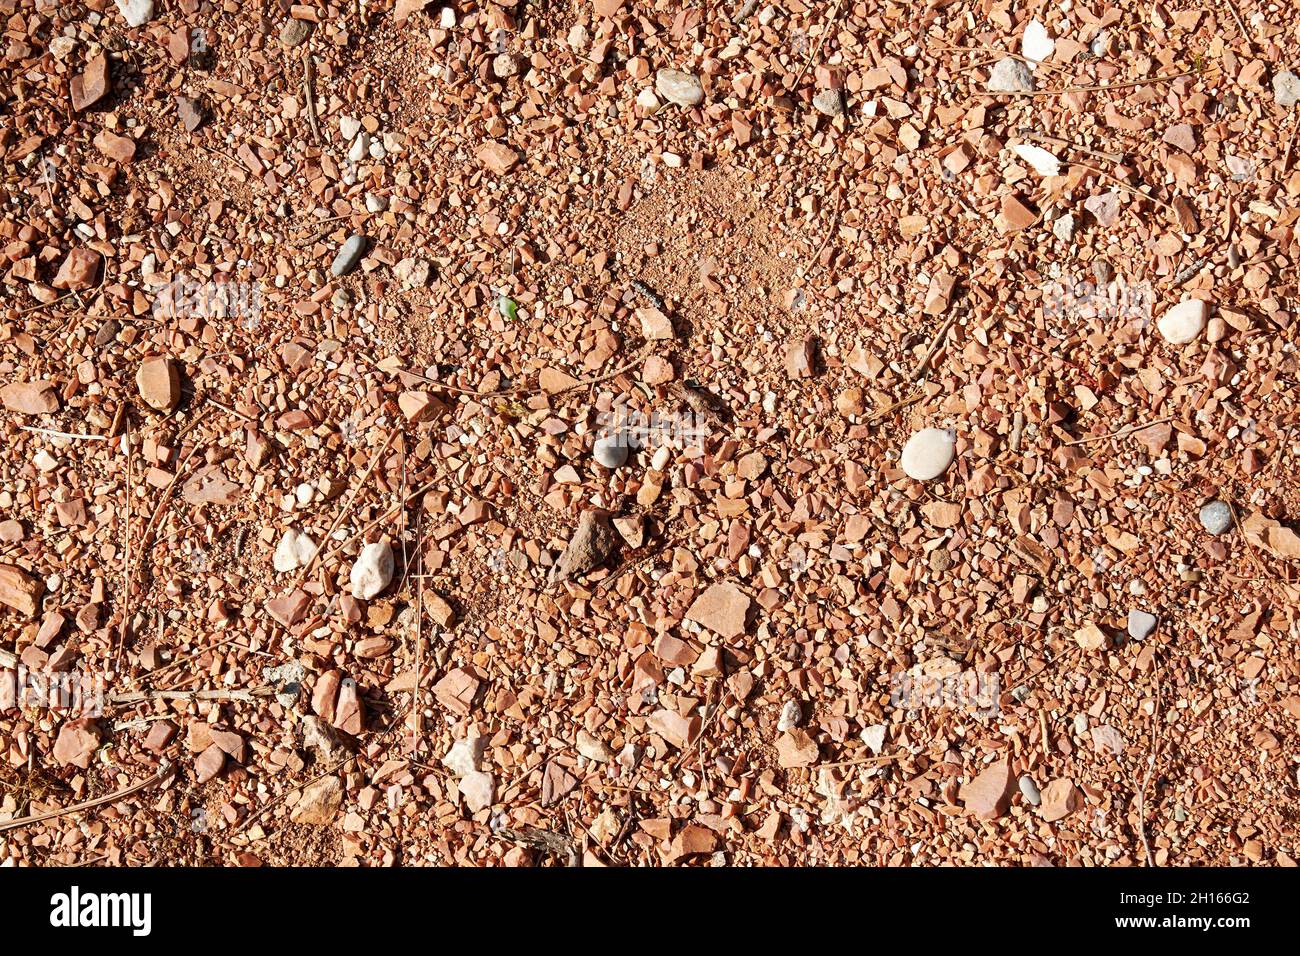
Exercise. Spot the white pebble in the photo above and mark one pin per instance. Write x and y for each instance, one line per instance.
(610, 451)
(928, 453)
(372, 571)
(294, 550)
(1140, 624)
(791, 716)
(1036, 44)
(1183, 322)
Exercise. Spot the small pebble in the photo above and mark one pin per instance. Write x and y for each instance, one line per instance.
(678, 87)
(349, 255)
(1030, 790)
(1036, 45)
(829, 102)
(295, 32)
(1010, 75)
(1216, 517)
(874, 737)
(294, 550)
(791, 716)
(1182, 323)
(1286, 88)
(1140, 624)
(610, 451)
(136, 12)
(360, 147)
(928, 453)
(372, 571)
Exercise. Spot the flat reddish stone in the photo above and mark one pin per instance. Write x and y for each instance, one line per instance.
(497, 158)
(209, 763)
(77, 742)
(1060, 799)
(795, 748)
(120, 149)
(324, 698)
(78, 270)
(456, 690)
(989, 794)
(30, 398)
(91, 85)
(722, 609)
(289, 609)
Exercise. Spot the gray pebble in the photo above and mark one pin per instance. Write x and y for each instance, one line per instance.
(1286, 88)
(1140, 624)
(610, 451)
(1009, 75)
(1063, 228)
(1030, 790)
(1216, 517)
(295, 32)
(829, 102)
(349, 255)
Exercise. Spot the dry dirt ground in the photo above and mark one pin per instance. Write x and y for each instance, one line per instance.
(307, 559)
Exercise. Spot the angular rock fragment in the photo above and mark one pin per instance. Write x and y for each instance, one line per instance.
(77, 742)
(78, 270)
(190, 111)
(457, 690)
(497, 158)
(159, 382)
(591, 545)
(372, 571)
(136, 12)
(319, 802)
(120, 149)
(1286, 89)
(988, 795)
(722, 608)
(795, 748)
(20, 590)
(1060, 799)
(30, 398)
(91, 85)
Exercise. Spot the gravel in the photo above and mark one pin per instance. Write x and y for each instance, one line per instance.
(784, 300)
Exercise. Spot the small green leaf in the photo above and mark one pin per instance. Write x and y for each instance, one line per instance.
(508, 307)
